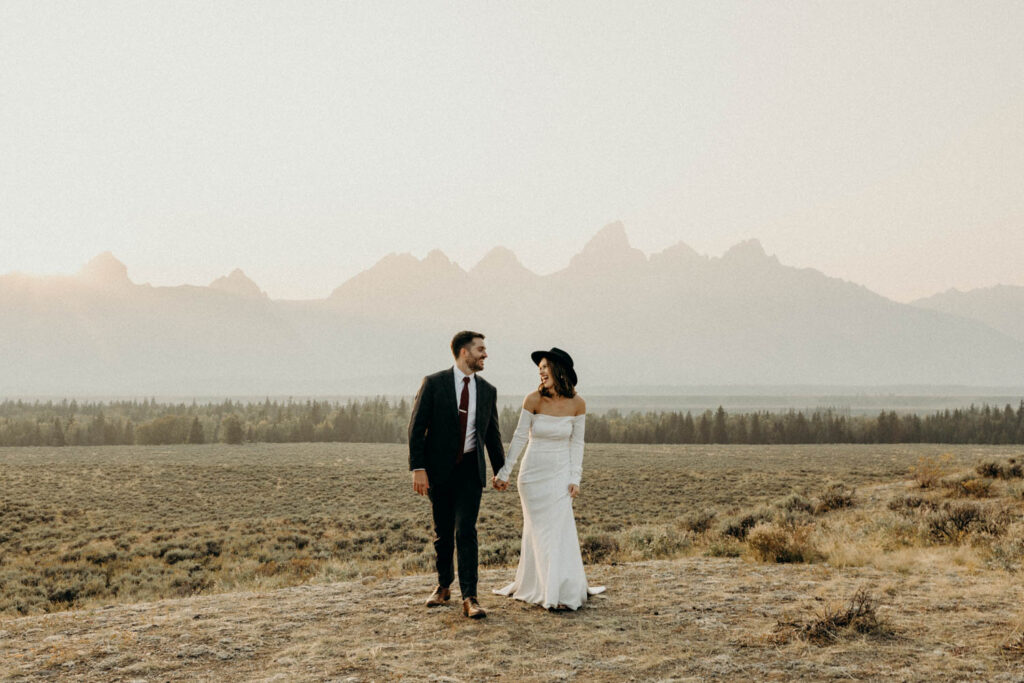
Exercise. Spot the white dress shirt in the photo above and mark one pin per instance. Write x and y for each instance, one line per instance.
(470, 444)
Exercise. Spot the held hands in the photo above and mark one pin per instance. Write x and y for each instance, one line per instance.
(574, 490)
(420, 483)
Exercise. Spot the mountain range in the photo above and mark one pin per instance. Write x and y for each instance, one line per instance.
(674, 318)
(1000, 307)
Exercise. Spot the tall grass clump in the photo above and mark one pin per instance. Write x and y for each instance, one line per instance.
(929, 470)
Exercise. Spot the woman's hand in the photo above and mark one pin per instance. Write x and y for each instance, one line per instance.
(574, 490)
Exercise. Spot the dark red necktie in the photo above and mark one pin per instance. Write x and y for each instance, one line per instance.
(463, 418)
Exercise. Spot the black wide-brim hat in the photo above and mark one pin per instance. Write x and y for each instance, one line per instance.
(558, 355)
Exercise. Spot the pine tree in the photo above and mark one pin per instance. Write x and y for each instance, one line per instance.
(704, 428)
(741, 430)
(689, 432)
(58, 432)
(718, 433)
(195, 432)
(233, 433)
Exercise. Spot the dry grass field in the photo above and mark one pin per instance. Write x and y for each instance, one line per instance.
(310, 562)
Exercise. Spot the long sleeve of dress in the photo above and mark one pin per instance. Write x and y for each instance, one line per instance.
(579, 424)
(519, 440)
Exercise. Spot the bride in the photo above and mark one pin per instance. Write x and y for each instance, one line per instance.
(550, 571)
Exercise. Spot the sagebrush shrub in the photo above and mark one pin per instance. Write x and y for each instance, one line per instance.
(794, 502)
(953, 522)
(993, 470)
(858, 616)
(772, 542)
(967, 487)
(726, 547)
(598, 547)
(909, 505)
(1011, 471)
(657, 541)
(988, 469)
(100, 552)
(835, 497)
(500, 554)
(1007, 551)
(740, 525)
(699, 521)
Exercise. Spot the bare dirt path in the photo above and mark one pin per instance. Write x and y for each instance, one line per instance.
(694, 618)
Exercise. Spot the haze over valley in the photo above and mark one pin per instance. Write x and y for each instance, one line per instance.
(635, 323)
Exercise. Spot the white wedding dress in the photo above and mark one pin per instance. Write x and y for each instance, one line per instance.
(550, 571)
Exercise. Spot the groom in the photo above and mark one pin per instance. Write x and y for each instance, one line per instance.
(455, 414)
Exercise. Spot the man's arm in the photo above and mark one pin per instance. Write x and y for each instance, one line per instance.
(419, 420)
(492, 438)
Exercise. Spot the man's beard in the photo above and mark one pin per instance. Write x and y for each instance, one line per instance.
(476, 365)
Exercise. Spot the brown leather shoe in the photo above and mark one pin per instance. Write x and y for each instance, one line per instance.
(439, 597)
(472, 609)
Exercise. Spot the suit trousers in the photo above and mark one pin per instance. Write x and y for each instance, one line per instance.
(455, 505)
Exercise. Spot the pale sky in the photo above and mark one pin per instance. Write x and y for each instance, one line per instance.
(879, 142)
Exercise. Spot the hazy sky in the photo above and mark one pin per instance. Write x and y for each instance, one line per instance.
(880, 142)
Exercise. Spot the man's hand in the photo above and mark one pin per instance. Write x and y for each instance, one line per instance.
(498, 484)
(420, 484)
(574, 490)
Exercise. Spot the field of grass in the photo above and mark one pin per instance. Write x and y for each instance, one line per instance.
(105, 525)
(311, 562)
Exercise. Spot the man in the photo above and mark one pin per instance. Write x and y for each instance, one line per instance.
(454, 416)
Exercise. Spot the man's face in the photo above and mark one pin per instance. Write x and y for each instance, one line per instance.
(475, 354)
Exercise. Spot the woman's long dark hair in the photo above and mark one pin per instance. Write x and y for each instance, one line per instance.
(563, 385)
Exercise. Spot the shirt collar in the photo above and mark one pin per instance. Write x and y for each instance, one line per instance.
(459, 375)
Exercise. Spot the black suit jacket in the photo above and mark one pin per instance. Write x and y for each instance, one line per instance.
(434, 427)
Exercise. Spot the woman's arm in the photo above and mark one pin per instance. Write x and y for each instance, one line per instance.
(579, 424)
(519, 438)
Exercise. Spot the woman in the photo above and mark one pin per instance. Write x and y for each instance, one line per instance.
(550, 571)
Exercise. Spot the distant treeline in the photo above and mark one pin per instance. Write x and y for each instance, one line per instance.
(70, 423)
(383, 421)
(378, 420)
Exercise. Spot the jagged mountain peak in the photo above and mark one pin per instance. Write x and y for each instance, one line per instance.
(438, 259)
(401, 272)
(748, 251)
(395, 259)
(500, 261)
(609, 247)
(105, 269)
(679, 253)
(610, 237)
(436, 256)
(237, 282)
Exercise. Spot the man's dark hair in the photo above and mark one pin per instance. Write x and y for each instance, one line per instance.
(463, 339)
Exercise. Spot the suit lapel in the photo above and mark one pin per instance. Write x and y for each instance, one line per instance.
(480, 418)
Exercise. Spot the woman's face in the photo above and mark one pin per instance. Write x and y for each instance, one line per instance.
(545, 375)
